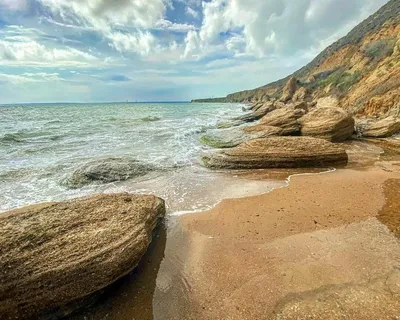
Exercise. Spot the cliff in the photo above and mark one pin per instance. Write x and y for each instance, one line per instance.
(362, 69)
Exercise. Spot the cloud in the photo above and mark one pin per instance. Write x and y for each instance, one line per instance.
(191, 12)
(14, 5)
(32, 53)
(124, 23)
(141, 42)
(29, 77)
(176, 27)
(277, 26)
(119, 78)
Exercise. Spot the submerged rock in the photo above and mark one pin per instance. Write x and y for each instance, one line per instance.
(53, 255)
(284, 118)
(383, 128)
(258, 114)
(278, 152)
(330, 123)
(229, 138)
(107, 170)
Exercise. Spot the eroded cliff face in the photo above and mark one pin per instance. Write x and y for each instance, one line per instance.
(361, 70)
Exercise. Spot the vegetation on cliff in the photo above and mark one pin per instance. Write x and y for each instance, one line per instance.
(362, 69)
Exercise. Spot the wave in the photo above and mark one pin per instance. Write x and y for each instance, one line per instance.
(150, 119)
(12, 138)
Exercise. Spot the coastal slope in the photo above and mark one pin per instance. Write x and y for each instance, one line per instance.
(361, 69)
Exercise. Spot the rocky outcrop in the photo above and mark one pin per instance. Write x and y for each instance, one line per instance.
(278, 152)
(289, 90)
(284, 118)
(55, 254)
(232, 137)
(382, 128)
(258, 114)
(300, 94)
(107, 170)
(270, 130)
(333, 124)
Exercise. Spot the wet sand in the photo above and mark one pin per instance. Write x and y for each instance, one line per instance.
(323, 247)
(301, 252)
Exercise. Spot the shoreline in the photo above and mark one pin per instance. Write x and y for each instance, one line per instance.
(259, 256)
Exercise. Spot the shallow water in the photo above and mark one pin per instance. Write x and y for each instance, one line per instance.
(41, 145)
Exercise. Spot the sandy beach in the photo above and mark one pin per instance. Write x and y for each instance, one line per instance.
(323, 247)
(275, 256)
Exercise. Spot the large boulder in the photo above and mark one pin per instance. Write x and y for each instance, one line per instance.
(107, 170)
(278, 152)
(382, 128)
(285, 118)
(330, 123)
(53, 255)
(289, 90)
(229, 138)
(258, 114)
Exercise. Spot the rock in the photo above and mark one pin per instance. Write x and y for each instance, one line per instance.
(300, 94)
(107, 170)
(256, 115)
(330, 123)
(278, 152)
(330, 101)
(270, 130)
(53, 255)
(289, 90)
(382, 128)
(285, 118)
(229, 138)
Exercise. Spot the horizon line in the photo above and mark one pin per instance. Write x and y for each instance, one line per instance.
(95, 102)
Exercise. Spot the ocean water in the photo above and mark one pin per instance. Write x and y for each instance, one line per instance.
(41, 145)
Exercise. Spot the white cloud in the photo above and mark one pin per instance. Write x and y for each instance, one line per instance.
(109, 18)
(29, 77)
(31, 53)
(276, 26)
(191, 12)
(177, 27)
(14, 4)
(141, 43)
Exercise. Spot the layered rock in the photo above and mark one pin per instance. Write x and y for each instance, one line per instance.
(330, 123)
(258, 114)
(289, 90)
(107, 170)
(300, 94)
(54, 254)
(278, 152)
(229, 138)
(382, 128)
(284, 118)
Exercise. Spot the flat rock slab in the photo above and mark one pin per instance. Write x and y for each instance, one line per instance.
(383, 128)
(53, 254)
(278, 152)
(107, 170)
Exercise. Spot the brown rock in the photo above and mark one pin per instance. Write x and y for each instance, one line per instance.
(54, 254)
(278, 152)
(300, 94)
(285, 118)
(258, 114)
(289, 90)
(268, 130)
(333, 124)
(383, 128)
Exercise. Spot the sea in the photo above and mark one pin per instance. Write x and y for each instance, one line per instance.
(41, 145)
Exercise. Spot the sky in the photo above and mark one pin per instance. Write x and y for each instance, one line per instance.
(161, 50)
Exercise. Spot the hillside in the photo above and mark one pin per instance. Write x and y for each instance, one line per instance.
(362, 69)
